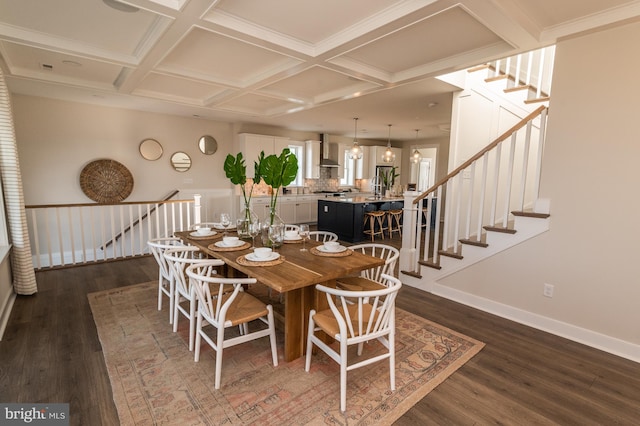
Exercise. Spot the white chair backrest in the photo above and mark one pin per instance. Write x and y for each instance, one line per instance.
(363, 315)
(215, 293)
(323, 236)
(388, 253)
(291, 228)
(179, 258)
(158, 246)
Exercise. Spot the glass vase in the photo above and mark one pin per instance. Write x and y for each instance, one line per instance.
(271, 219)
(246, 217)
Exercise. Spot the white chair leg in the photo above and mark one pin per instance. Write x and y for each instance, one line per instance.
(392, 360)
(192, 320)
(196, 355)
(343, 376)
(176, 314)
(272, 336)
(160, 279)
(219, 348)
(172, 289)
(307, 364)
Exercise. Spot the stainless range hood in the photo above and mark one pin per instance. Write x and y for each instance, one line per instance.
(329, 152)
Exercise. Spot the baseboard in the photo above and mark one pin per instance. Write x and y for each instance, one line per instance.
(577, 334)
(5, 313)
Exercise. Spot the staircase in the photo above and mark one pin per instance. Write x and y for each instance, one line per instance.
(490, 202)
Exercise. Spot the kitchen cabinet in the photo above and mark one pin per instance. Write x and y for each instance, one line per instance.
(362, 165)
(312, 160)
(292, 210)
(251, 145)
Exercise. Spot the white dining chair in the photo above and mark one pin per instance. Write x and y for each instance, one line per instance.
(371, 279)
(323, 236)
(291, 228)
(222, 303)
(166, 285)
(179, 259)
(353, 318)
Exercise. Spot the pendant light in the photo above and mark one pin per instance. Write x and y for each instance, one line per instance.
(389, 156)
(356, 152)
(416, 156)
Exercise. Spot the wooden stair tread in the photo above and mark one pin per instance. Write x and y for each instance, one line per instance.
(530, 214)
(503, 229)
(472, 242)
(452, 254)
(496, 78)
(478, 68)
(517, 88)
(430, 264)
(411, 274)
(536, 100)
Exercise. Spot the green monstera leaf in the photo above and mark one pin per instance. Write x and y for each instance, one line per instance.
(235, 169)
(279, 170)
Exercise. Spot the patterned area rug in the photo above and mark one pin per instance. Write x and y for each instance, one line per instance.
(155, 380)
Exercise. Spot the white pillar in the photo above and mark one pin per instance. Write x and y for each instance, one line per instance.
(196, 208)
(408, 249)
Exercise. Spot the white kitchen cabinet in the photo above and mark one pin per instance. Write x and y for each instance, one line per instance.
(307, 209)
(363, 170)
(291, 209)
(286, 207)
(312, 160)
(251, 145)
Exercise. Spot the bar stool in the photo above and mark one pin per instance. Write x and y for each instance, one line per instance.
(393, 222)
(373, 218)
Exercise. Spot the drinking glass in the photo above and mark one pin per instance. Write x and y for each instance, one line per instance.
(254, 230)
(276, 235)
(303, 230)
(225, 221)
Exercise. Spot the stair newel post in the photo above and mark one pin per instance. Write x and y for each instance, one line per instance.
(410, 233)
(472, 175)
(483, 194)
(509, 180)
(525, 165)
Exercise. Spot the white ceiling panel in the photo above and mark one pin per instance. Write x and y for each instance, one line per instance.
(430, 40)
(298, 64)
(224, 59)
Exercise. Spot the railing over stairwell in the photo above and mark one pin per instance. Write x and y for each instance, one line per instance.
(531, 71)
(481, 193)
(73, 234)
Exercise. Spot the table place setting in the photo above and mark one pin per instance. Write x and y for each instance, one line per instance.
(229, 243)
(331, 249)
(292, 237)
(261, 256)
(203, 233)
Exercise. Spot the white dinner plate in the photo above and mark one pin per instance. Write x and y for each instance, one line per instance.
(298, 238)
(252, 257)
(225, 245)
(338, 249)
(200, 234)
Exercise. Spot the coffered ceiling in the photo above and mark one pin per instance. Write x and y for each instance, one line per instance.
(300, 64)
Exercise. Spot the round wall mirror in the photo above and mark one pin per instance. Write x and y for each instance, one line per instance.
(208, 145)
(150, 149)
(181, 161)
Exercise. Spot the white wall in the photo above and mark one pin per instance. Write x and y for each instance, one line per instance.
(56, 139)
(591, 175)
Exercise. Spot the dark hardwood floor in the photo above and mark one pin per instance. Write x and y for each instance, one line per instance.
(51, 353)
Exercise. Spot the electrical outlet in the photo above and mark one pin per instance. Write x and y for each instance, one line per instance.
(548, 290)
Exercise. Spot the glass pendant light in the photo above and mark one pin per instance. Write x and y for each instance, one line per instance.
(356, 151)
(416, 156)
(389, 156)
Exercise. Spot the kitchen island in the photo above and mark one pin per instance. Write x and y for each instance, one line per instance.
(345, 215)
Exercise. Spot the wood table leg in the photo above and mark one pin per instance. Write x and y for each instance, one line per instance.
(297, 304)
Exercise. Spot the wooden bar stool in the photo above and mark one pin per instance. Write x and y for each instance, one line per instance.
(374, 218)
(394, 217)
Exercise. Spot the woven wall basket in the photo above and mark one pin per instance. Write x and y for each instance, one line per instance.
(106, 181)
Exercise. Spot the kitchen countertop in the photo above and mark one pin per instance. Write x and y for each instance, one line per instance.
(363, 200)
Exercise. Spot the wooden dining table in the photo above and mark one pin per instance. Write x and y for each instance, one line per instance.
(295, 278)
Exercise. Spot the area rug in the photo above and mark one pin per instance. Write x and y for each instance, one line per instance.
(155, 380)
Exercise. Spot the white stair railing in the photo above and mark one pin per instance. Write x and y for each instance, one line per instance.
(73, 234)
(483, 191)
(530, 71)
